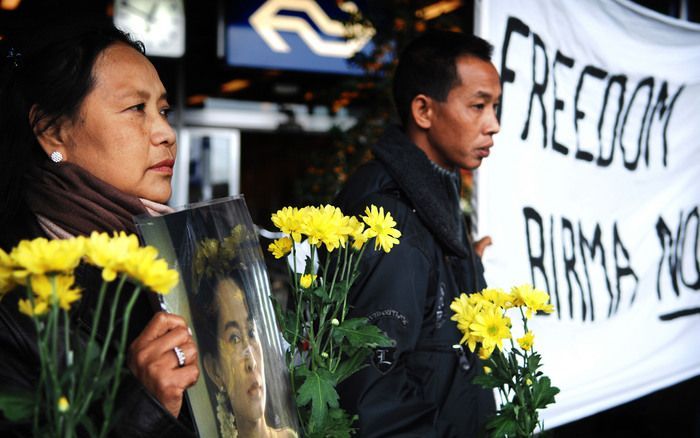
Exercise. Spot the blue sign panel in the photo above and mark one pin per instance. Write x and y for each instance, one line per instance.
(304, 35)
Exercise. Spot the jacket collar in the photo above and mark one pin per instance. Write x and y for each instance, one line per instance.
(424, 186)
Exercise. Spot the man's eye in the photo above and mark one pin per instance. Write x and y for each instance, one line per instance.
(165, 112)
(479, 106)
(234, 339)
(139, 107)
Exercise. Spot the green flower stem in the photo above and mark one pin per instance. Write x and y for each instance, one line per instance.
(109, 402)
(52, 335)
(42, 359)
(70, 417)
(85, 367)
(86, 399)
(112, 318)
(335, 273)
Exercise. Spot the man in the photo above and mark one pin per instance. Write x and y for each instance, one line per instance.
(446, 92)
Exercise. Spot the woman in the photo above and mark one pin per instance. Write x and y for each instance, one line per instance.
(86, 145)
(232, 358)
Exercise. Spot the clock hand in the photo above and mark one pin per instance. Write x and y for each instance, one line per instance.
(153, 10)
(126, 5)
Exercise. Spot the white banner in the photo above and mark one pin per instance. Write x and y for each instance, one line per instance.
(593, 192)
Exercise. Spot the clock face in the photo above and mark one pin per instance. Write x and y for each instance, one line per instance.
(159, 24)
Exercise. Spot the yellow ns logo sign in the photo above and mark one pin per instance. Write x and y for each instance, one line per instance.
(268, 23)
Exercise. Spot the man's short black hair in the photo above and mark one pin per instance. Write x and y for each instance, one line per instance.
(428, 66)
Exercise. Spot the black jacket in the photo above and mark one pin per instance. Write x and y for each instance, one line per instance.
(422, 388)
(139, 413)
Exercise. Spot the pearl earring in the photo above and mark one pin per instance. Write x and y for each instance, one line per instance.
(56, 157)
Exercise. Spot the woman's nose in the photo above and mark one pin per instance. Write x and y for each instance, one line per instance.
(249, 359)
(162, 133)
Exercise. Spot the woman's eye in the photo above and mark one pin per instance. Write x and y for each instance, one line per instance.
(165, 112)
(235, 339)
(252, 334)
(479, 106)
(139, 107)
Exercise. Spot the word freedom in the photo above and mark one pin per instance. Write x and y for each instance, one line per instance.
(606, 111)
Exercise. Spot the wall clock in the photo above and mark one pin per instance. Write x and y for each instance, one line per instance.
(159, 24)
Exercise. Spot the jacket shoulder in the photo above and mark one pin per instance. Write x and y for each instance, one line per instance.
(369, 184)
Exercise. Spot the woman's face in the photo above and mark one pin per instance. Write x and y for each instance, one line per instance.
(122, 135)
(240, 357)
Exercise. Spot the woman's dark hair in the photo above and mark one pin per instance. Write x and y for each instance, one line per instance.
(205, 313)
(428, 65)
(44, 77)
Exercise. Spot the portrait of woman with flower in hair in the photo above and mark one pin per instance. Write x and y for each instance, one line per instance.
(233, 359)
(230, 342)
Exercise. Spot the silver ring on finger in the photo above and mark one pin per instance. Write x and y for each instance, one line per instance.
(181, 358)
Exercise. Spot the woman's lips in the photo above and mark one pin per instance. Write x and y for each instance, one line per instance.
(255, 389)
(165, 167)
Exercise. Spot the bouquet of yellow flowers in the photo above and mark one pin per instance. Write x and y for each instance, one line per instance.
(482, 318)
(326, 346)
(75, 369)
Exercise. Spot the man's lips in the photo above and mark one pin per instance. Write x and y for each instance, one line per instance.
(165, 166)
(484, 152)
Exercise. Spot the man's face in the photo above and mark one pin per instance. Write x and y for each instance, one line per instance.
(461, 128)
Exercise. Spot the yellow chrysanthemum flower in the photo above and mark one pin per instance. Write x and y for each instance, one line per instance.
(280, 247)
(288, 220)
(465, 311)
(307, 280)
(381, 227)
(39, 308)
(527, 341)
(7, 266)
(326, 225)
(43, 256)
(491, 326)
(357, 233)
(498, 297)
(487, 370)
(110, 253)
(535, 300)
(43, 287)
(143, 266)
(486, 351)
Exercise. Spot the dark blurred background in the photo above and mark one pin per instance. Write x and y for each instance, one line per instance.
(292, 153)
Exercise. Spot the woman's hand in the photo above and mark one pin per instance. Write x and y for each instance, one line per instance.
(152, 359)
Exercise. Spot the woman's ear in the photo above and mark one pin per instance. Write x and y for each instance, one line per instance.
(211, 366)
(422, 111)
(52, 138)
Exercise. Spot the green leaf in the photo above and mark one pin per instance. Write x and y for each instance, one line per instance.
(17, 406)
(286, 320)
(86, 422)
(503, 423)
(543, 392)
(488, 381)
(533, 363)
(337, 424)
(350, 365)
(317, 389)
(359, 333)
